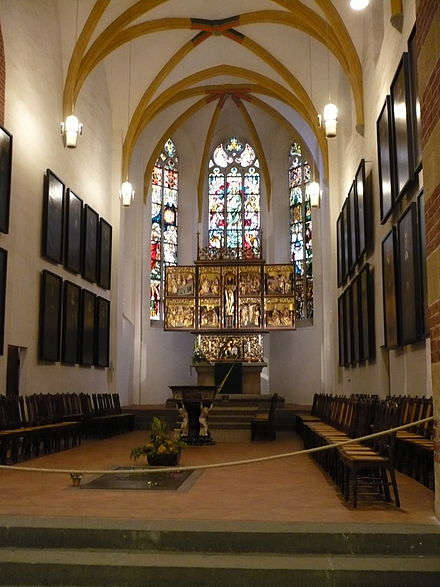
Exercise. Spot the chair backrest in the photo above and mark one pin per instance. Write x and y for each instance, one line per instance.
(273, 405)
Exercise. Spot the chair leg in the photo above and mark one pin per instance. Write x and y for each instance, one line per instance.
(395, 490)
(386, 489)
(354, 488)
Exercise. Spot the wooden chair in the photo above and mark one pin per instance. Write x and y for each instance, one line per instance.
(263, 424)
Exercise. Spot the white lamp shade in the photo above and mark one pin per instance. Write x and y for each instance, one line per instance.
(126, 193)
(314, 193)
(71, 129)
(330, 119)
(359, 4)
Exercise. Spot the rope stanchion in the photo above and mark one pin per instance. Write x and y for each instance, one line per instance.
(76, 474)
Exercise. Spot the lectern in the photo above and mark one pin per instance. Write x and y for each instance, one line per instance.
(193, 403)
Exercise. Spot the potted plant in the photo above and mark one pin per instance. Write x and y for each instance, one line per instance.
(161, 449)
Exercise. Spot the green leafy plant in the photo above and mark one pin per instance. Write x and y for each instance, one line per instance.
(160, 441)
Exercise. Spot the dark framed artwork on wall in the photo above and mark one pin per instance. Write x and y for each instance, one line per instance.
(409, 276)
(87, 327)
(70, 331)
(389, 285)
(385, 157)
(366, 314)
(341, 331)
(402, 127)
(353, 229)
(90, 244)
(360, 191)
(347, 328)
(340, 250)
(422, 261)
(415, 104)
(345, 241)
(50, 316)
(74, 211)
(104, 254)
(53, 217)
(3, 273)
(355, 330)
(5, 178)
(102, 334)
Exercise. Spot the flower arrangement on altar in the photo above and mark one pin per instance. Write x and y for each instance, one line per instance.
(160, 446)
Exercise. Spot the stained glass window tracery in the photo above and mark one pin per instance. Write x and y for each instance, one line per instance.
(234, 196)
(164, 223)
(300, 220)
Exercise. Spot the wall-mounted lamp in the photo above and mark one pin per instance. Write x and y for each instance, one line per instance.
(70, 129)
(359, 4)
(126, 193)
(314, 193)
(330, 117)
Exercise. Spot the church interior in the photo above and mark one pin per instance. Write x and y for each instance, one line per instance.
(225, 216)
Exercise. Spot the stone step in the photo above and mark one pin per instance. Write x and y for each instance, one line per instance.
(95, 567)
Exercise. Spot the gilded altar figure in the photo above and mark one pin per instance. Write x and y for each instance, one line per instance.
(230, 287)
(279, 280)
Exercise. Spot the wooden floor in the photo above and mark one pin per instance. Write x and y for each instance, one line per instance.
(287, 489)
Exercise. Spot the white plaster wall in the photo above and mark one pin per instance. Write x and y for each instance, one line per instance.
(32, 34)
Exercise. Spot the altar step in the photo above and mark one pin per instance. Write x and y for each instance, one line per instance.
(240, 554)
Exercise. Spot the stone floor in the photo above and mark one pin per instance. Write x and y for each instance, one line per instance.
(289, 489)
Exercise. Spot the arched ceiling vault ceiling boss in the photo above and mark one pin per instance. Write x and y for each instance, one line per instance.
(330, 31)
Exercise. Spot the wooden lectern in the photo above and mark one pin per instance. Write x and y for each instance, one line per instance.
(193, 403)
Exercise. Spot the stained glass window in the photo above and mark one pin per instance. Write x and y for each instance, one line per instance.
(234, 196)
(300, 220)
(164, 209)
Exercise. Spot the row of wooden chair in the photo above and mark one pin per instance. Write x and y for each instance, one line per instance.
(52, 422)
(369, 465)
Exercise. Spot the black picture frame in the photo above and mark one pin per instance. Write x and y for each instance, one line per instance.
(366, 314)
(345, 241)
(74, 213)
(347, 328)
(102, 333)
(104, 254)
(385, 151)
(70, 331)
(50, 316)
(355, 328)
(53, 217)
(422, 262)
(415, 103)
(3, 281)
(353, 228)
(5, 178)
(341, 330)
(87, 328)
(361, 213)
(90, 244)
(409, 276)
(389, 290)
(340, 250)
(402, 128)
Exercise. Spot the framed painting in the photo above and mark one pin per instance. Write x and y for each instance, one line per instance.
(422, 261)
(366, 315)
(50, 316)
(74, 212)
(402, 127)
(90, 244)
(339, 250)
(347, 328)
(5, 178)
(355, 329)
(102, 333)
(104, 254)
(389, 285)
(341, 331)
(386, 164)
(3, 272)
(53, 217)
(360, 198)
(70, 330)
(353, 228)
(409, 276)
(345, 241)
(415, 103)
(87, 328)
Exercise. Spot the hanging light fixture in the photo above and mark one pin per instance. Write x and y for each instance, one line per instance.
(312, 188)
(126, 193)
(71, 128)
(330, 113)
(359, 4)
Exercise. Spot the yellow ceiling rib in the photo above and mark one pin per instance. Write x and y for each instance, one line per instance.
(205, 156)
(78, 51)
(259, 149)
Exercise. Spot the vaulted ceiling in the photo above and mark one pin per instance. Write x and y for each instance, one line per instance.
(276, 57)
